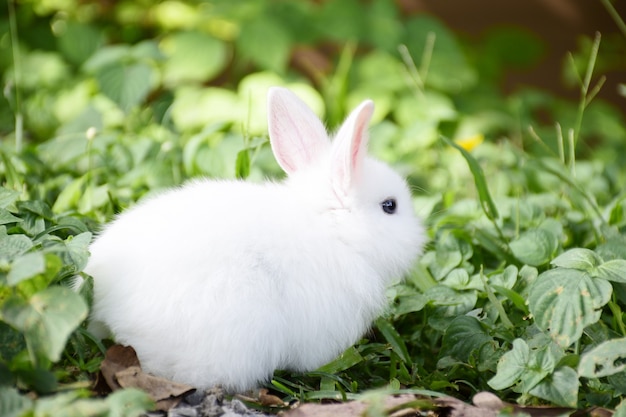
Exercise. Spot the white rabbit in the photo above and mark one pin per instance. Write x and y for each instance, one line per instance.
(222, 282)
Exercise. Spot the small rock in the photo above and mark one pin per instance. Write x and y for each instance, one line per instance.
(195, 398)
(182, 412)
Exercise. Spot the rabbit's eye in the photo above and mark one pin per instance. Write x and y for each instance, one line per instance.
(389, 206)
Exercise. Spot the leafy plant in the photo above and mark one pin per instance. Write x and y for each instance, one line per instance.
(520, 291)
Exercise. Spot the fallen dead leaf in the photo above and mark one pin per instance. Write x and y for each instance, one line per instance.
(121, 369)
(117, 358)
(350, 408)
(269, 400)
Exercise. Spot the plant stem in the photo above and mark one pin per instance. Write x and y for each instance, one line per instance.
(494, 300)
(584, 87)
(615, 15)
(17, 74)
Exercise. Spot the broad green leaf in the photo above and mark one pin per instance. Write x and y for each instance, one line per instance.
(394, 339)
(524, 366)
(564, 301)
(535, 247)
(192, 56)
(578, 258)
(26, 266)
(12, 404)
(266, 43)
(6, 217)
(69, 404)
(486, 201)
(47, 320)
(7, 197)
(606, 359)
(511, 366)
(464, 335)
(129, 402)
(614, 271)
(442, 262)
(561, 387)
(12, 246)
(346, 360)
(506, 278)
(78, 249)
(449, 302)
(195, 108)
(78, 41)
(409, 304)
(127, 84)
(459, 279)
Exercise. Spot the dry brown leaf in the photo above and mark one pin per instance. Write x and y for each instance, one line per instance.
(121, 369)
(347, 409)
(117, 358)
(487, 404)
(269, 400)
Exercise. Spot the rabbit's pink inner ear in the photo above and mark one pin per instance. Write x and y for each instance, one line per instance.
(297, 135)
(350, 147)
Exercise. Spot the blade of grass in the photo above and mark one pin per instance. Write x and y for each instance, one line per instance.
(496, 303)
(394, 339)
(488, 206)
(17, 73)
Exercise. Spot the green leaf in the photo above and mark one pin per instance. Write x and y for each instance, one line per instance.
(193, 57)
(578, 258)
(606, 359)
(394, 339)
(7, 197)
(459, 279)
(6, 217)
(346, 360)
(26, 266)
(535, 247)
(47, 320)
(78, 249)
(620, 410)
(129, 402)
(242, 165)
(464, 335)
(486, 202)
(561, 387)
(409, 304)
(564, 301)
(68, 404)
(266, 43)
(524, 366)
(12, 404)
(78, 41)
(614, 270)
(127, 84)
(12, 246)
(511, 366)
(70, 194)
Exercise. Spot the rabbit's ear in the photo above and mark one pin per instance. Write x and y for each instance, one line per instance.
(350, 147)
(297, 135)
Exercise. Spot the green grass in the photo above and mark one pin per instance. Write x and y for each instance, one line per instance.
(521, 290)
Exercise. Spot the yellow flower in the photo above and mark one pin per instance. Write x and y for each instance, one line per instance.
(470, 142)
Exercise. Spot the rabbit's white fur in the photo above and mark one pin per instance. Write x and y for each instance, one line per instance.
(222, 282)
